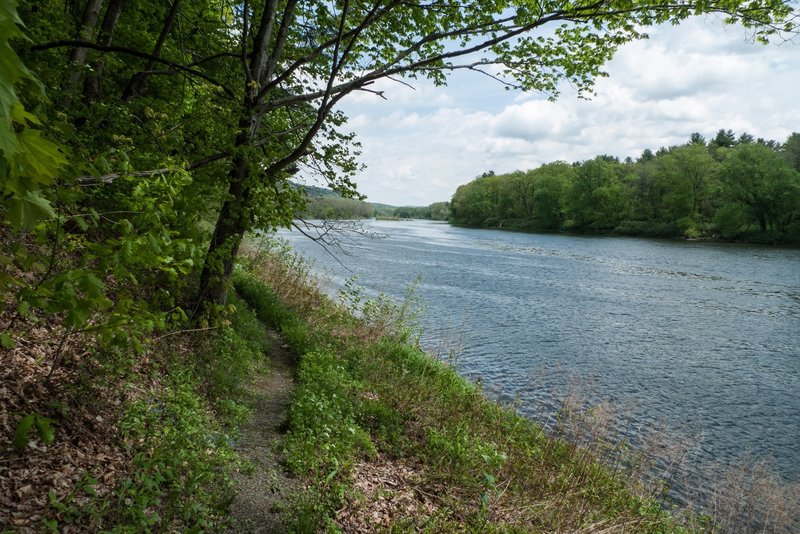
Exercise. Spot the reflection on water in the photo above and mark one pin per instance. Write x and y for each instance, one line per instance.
(702, 336)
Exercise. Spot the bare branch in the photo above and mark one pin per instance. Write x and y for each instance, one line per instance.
(374, 92)
(332, 235)
(401, 82)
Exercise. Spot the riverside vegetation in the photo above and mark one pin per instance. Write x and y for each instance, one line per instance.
(742, 189)
(391, 437)
(139, 142)
(380, 434)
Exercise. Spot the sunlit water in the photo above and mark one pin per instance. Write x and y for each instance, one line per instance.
(704, 338)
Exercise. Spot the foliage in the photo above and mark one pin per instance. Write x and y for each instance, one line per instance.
(29, 162)
(731, 188)
(336, 208)
(757, 178)
(241, 98)
(182, 455)
(139, 141)
(235, 354)
(180, 474)
(42, 425)
(323, 435)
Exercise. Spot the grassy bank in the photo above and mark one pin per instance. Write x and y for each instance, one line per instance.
(388, 437)
(142, 438)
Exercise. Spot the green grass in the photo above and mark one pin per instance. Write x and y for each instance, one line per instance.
(364, 390)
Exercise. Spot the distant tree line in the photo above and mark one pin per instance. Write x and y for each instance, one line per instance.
(736, 188)
(438, 211)
(335, 207)
(328, 205)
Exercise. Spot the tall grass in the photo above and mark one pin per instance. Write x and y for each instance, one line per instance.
(371, 401)
(368, 393)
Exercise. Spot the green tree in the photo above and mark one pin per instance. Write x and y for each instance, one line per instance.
(475, 204)
(791, 150)
(686, 175)
(760, 181)
(598, 198)
(440, 211)
(722, 142)
(697, 139)
(245, 94)
(551, 182)
(353, 44)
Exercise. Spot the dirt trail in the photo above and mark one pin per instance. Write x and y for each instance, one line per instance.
(263, 490)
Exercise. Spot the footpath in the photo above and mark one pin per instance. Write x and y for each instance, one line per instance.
(263, 488)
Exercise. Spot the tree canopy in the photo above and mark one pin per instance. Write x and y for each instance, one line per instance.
(150, 136)
(731, 188)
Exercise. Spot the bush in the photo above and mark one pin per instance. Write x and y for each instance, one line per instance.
(180, 469)
(271, 310)
(234, 353)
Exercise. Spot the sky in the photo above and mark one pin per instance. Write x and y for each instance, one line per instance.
(420, 144)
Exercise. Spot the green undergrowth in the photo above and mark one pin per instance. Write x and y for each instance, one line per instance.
(179, 426)
(374, 395)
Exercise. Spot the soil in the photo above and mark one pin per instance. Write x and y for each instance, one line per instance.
(264, 488)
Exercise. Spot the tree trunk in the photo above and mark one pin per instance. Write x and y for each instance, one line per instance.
(221, 256)
(136, 84)
(232, 223)
(91, 87)
(77, 55)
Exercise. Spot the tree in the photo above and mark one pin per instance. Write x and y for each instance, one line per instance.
(791, 151)
(647, 155)
(685, 174)
(476, 203)
(745, 139)
(598, 198)
(551, 181)
(761, 181)
(440, 211)
(697, 139)
(354, 44)
(273, 72)
(722, 142)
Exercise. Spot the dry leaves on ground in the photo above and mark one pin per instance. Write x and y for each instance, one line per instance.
(85, 456)
(386, 490)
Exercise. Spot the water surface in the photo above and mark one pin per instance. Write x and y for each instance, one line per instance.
(703, 337)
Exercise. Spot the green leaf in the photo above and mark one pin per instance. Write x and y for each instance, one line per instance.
(45, 430)
(23, 428)
(28, 209)
(6, 341)
(38, 159)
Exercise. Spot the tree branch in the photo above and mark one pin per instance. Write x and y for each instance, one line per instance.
(135, 53)
(88, 180)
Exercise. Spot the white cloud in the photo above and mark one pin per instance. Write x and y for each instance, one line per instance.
(419, 145)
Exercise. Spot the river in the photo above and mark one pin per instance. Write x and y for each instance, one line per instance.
(702, 337)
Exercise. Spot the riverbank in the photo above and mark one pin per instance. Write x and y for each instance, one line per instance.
(379, 434)
(645, 231)
(388, 437)
(624, 291)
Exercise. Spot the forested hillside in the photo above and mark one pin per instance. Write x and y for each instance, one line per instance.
(736, 188)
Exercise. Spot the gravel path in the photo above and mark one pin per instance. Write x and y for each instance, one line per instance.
(263, 490)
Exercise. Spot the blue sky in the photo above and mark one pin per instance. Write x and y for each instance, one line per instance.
(422, 143)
